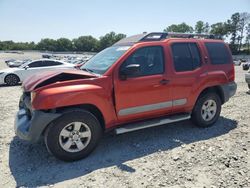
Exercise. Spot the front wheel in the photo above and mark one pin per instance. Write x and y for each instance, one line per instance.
(207, 110)
(73, 136)
(11, 80)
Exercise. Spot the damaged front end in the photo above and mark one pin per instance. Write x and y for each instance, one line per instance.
(31, 123)
(51, 77)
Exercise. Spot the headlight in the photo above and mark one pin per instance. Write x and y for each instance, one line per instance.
(32, 95)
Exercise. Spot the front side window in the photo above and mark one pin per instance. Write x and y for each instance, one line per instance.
(102, 61)
(186, 56)
(218, 53)
(150, 60)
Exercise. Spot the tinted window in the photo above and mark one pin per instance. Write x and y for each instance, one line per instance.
(186, 56)
(195, 55)
(218, 53)
(51, 63)
(150, 59)
(36, 64)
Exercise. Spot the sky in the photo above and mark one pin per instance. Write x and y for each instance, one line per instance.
(32, 20)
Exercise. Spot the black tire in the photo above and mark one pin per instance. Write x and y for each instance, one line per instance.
(52, 134)
(197, 117)
(12, 79)
(245, 67)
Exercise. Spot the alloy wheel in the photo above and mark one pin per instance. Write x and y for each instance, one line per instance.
(208, 110)
(75, 136)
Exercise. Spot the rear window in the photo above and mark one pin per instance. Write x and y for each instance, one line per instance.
(218, 53)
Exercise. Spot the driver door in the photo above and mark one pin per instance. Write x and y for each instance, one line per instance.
(146, 92)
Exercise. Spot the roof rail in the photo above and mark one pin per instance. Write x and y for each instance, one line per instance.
(157, 36)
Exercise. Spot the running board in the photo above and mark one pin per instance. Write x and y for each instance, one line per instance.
(151, 123)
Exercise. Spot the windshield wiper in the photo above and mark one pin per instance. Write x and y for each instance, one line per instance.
(88, 70)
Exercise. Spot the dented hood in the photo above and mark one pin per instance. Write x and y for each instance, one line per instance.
(50, 77)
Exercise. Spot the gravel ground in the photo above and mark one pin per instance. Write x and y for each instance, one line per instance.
(175, 155)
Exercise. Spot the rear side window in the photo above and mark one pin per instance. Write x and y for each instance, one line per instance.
(186, 56)
(36, 64)
(218, 53)
(54, 63)
(51, 63)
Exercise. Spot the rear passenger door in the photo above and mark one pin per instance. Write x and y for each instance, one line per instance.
(186, 72)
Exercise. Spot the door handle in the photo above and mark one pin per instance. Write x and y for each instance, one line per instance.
(164, 82)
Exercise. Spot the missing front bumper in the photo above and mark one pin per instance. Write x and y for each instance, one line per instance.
(31, 128)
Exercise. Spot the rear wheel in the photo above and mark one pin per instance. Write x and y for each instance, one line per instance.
(207, 110)
(11, 80)
(73, 136)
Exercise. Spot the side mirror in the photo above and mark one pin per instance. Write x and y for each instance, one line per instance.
(26, 67)
(130, 71)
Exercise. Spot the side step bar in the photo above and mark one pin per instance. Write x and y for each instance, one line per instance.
(151, 123)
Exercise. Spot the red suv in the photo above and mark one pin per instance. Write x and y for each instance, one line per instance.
(141, 81)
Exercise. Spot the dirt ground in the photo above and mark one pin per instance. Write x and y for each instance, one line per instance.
(175, 155)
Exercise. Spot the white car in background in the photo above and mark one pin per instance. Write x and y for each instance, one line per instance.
(13, 76)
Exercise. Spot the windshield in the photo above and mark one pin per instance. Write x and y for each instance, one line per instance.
(101, 62)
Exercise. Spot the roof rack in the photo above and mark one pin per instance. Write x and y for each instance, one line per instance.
(192, 35)
(157, 36)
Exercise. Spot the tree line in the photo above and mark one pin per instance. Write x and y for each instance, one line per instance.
(236, 29)
(81, 44)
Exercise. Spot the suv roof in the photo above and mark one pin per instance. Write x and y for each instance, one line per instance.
(159, 36)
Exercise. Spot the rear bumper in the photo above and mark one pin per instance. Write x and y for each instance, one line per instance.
(29, 125)
(229, 90)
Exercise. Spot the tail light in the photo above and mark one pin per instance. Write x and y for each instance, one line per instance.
(232, 74)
